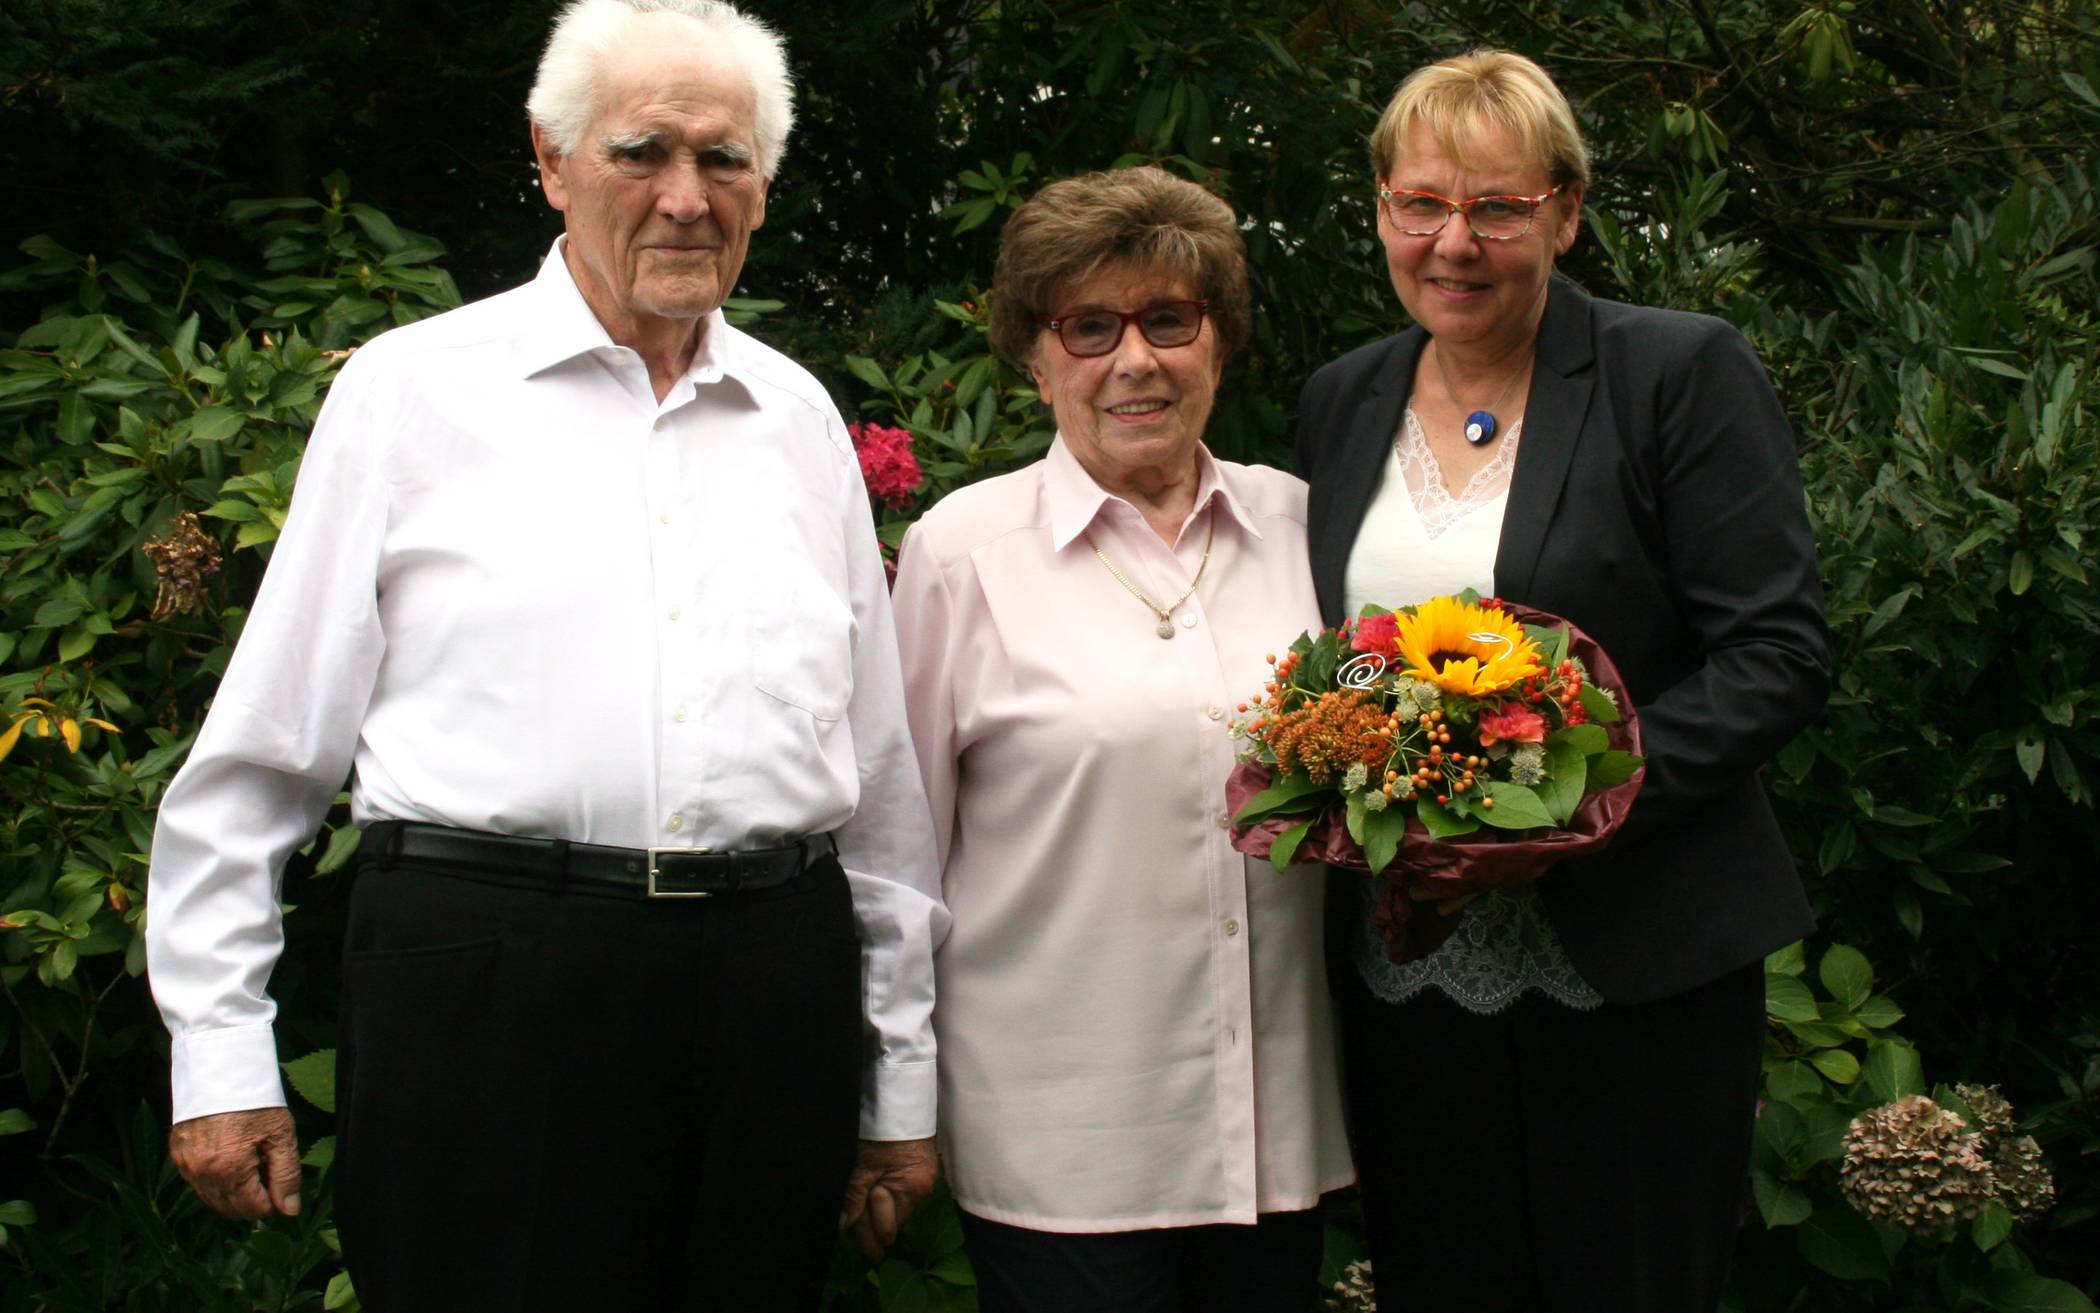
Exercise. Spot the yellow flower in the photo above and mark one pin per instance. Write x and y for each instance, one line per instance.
(1469, 650)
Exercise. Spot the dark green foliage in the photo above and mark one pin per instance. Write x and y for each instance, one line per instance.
(1895, 199)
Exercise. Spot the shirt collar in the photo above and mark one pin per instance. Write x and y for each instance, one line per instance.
(560, 326)
(1075, 500)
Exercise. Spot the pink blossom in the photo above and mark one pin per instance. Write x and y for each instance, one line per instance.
(1517, 724)
(1376, 633)
(887, 465)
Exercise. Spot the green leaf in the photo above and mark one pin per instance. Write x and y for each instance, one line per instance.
(342, 846)
(1516, 807)
(2028, 751)
(1847, 975)
(1567, 774)
(1287, 844)
(2019, 576)
(1893, 1070)
(1842, 1243)
(1611, 769)
(314, 1077)
(1840, 1066)
(2023, 1292)
(1991, 1226)
(1787, 999)
(1589, 740)
(1880, 1012)
(1287, 795)
(340, 1293)
(1441, 821)
(1778, 1203)
(216, 424)
(1601, 709)
(320, 1154)
(1793, 1081)
(13, 1121)
(1383, 833)
(18, 1212)
(868, 372)
(1353, 817)
(1788, 961)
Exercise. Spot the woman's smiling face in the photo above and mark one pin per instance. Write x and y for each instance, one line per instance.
(1466, 290)
(1139, 411)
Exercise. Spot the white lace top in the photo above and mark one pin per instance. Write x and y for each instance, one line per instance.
(1420, 539)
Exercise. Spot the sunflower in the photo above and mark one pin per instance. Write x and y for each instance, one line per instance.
(1473, 651)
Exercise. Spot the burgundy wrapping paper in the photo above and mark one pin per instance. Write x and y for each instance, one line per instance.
(1428, 871)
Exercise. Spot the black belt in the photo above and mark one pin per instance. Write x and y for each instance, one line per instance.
(646, 872)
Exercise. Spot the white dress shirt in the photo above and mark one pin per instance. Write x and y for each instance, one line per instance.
(1135, 1027)
(519, 594)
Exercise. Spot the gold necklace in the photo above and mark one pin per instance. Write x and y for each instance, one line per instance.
(1165, 613)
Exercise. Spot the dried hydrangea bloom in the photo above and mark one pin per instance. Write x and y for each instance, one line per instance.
(1917, 1164)
(2021, 1175)
(1353, 1293)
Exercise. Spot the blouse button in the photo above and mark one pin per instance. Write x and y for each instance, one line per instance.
(1231, 928)
(1188, 621)
(1215, 713)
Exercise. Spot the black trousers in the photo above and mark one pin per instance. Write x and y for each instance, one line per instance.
(1270, 1267)
(558, 1100)
(1544, 1160)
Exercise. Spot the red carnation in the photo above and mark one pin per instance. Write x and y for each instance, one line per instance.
(1377, 633)
(1512, 722)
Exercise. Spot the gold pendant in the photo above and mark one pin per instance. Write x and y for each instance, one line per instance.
(1166, 628)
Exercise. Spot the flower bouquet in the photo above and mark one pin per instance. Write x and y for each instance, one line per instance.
(1451, 747)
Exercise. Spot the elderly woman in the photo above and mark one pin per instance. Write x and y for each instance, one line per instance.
(1554, 1109)
(1139, 1106)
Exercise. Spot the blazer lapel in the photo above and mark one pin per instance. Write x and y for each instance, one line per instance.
(1553, 422)
(1359, 466)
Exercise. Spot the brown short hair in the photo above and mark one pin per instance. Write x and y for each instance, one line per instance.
(1464, 98)
(1143, 217)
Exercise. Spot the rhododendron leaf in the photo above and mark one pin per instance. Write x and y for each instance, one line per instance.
(1287, 844)
(1589, 740)
(1600, 708)
(1608, 769)
(1567, 772)
(1278, 798)
(1383, 832)
(1442, 822)
(1516, 807)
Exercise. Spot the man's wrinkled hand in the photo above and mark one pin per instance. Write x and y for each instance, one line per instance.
(243, 1164)
(888, 1180)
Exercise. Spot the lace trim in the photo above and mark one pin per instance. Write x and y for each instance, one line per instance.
(1435, 506)
(1503, 946)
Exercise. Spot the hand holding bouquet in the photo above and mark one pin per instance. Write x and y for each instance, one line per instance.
(1452, 747)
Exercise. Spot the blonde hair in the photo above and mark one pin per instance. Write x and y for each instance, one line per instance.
(1466, 99)
(1143, 217)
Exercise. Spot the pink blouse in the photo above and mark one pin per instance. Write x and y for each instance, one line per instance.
(1134, 1026)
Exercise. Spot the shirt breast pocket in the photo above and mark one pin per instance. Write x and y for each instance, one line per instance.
(802, 635)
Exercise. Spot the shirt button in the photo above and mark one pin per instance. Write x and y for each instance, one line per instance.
(1215, 713)
(1188, 621)
(1231, 928)
(663, 517)
(1224, 820)
(674, 613)
(679, 715)
(677, 822)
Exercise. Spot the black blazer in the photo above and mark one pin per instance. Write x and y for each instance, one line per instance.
(1656, 503)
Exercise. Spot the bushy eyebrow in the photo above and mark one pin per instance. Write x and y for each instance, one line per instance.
(727, 152)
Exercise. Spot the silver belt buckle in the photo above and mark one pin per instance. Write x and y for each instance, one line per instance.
(654, 892)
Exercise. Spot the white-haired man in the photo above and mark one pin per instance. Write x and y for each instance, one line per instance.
(582, 583)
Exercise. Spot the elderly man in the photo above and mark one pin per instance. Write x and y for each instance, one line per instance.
(582, 583)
